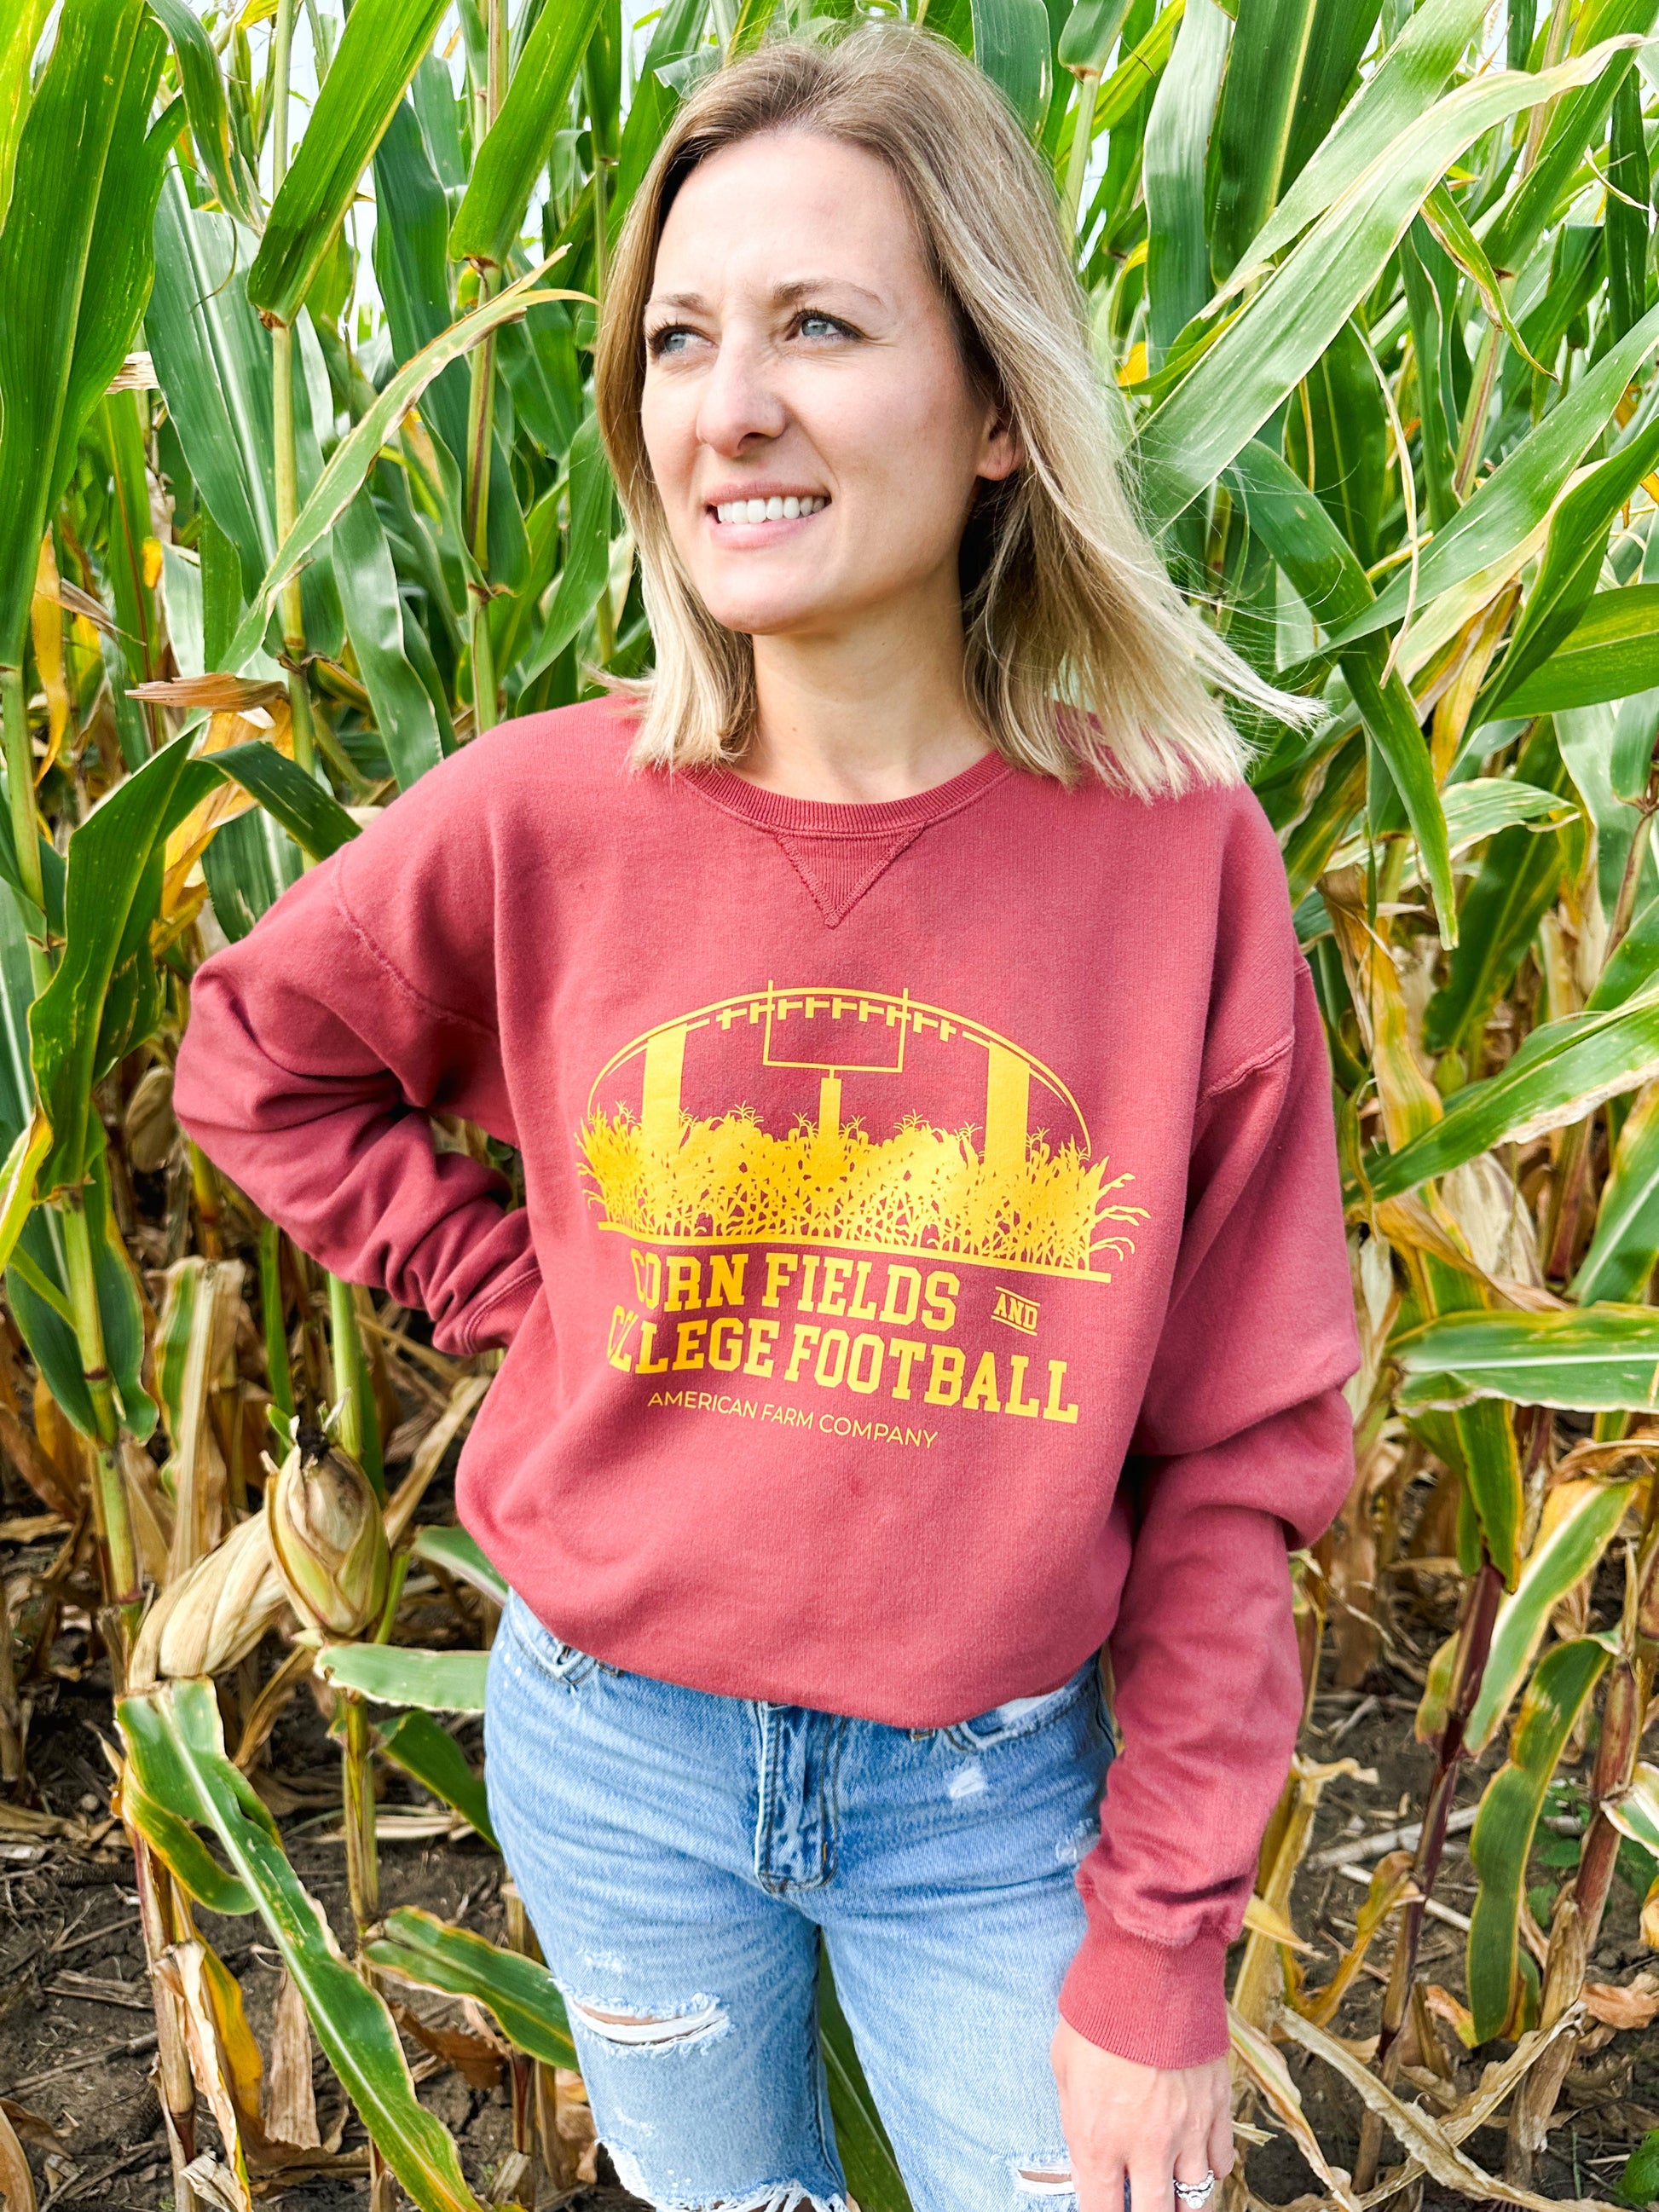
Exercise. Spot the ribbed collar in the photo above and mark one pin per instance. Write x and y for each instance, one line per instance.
(823, 818)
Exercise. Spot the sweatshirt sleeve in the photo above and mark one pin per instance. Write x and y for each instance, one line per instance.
(1243, 1448)
(313, 1058)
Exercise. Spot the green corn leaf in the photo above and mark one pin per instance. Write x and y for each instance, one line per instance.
(1625, 1249)
(380, 50)
(1597, 1358)
(249, 865)
(1321, 565)
(416, 1743)
(1092, 31)
(487, 224)
(1501, 911)
(204, 104)
(354, 455)
(1611, 651)
(1013, 46)
(1568, 573)
(1627, 208)
(75, 267)
(1293, 61)
(19, 33)
(1585, 1522)
(17, 1177)
(1442, 215)
(1501, 1840)
(1561, 1073)
(1177, 138)
(1516, 499)
(112, 893)
(587, 550)
(313, 817)
(213, 361)
(389, 1675)
(1264, 354)
(182, 1851)
(458, 1555)
(374, 621)
(1574, 124)
(174, 1741)
(524, 1996)
(1631, 969)
(1638, 2184)
(1404, 84)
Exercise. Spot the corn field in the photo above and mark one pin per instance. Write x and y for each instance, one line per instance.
(302, 490)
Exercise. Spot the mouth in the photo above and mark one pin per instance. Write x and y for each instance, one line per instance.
(788, 507)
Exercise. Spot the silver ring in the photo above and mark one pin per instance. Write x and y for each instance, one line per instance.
(1196, 2192)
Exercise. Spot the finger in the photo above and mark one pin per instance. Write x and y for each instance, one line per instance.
(1194, 2167)
(1148, 2185)
(1221, 2143)
(1104, 2190)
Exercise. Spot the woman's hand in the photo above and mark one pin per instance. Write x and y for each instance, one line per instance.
(1121, 2118)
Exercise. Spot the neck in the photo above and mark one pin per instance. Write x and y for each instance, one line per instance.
(879, 712)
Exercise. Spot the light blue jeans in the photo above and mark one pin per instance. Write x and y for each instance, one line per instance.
(680, 1853)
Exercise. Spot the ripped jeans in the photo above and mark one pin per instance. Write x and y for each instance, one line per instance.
(680, 1852)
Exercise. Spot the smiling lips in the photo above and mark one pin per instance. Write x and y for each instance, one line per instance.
(774, 509)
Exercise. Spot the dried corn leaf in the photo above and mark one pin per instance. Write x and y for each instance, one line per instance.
(182, 1968)
(1636, 2004)
(1423, 2138)
(290, 2101)
(16, 2182)
(1254, 2054)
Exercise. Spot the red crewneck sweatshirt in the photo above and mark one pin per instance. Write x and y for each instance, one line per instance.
(932, 1264)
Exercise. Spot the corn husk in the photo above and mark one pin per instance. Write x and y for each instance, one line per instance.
(328, 1537)
(213, 1616)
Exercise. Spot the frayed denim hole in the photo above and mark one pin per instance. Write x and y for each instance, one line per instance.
(651, 2030)
(1047, 2178)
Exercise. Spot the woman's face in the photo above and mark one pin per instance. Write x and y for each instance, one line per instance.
(812, 431)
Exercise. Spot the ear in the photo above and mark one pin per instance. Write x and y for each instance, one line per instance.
(1003, 450)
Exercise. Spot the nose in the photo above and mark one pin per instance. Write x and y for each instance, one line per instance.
(739, 401)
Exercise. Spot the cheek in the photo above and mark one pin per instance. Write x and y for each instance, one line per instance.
(670, 446)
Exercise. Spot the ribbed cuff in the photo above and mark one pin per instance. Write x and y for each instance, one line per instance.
(1160, 2004)
(494, 1317)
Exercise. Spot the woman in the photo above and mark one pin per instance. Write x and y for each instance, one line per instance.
(932, 1268)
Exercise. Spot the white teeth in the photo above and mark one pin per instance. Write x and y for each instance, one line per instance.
(774, 509)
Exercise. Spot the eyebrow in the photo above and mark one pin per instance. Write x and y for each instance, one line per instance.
(783, 295)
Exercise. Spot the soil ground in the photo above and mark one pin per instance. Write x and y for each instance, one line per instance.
(76, 2035)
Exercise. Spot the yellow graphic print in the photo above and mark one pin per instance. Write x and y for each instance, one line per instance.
(1010, 1199)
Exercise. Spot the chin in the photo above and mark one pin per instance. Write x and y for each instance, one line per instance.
(757, 615)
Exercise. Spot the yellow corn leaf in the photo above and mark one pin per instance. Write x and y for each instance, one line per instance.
(1133, 369)
(183, 1968)
(230, 725)
(152, 563)
(1458, 2017)
(46, 620)
(17, 1181)
(1265, 1919)
(1390, 1887)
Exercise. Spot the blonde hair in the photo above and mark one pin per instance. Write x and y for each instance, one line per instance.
(1079, 651)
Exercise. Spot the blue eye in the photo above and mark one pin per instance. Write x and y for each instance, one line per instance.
(665, 342)
(815, 326)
